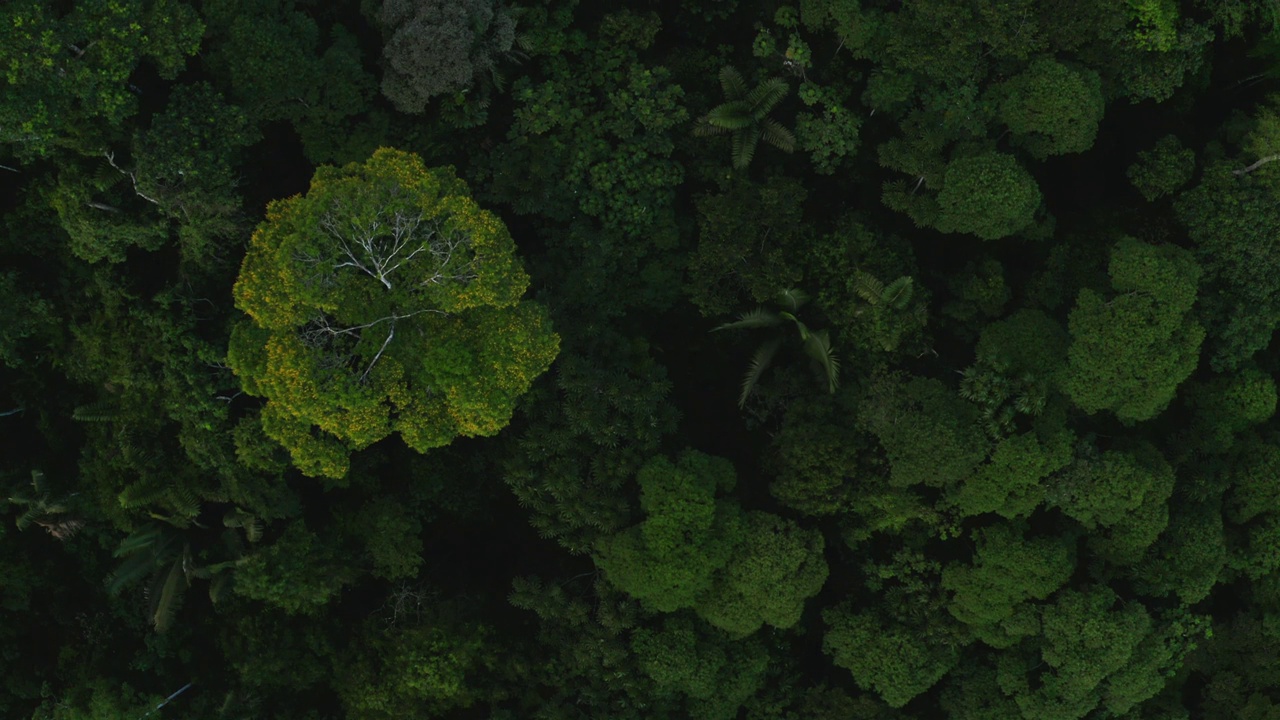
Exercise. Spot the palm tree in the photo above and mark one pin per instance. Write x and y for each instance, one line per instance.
(163, 553)
(53, 514)
(743, 116)
(817, 345)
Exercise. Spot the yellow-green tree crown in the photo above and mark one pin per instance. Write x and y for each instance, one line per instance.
(384, 300)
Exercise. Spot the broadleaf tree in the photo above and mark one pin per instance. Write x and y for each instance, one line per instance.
(385, 300)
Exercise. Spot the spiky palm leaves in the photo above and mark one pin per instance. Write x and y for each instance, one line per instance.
(817, 345)
(163, 553)
(744, 116)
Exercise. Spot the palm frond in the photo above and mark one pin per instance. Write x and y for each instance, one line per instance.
(702, 128)
(868, 287)
(184, 501)
(792, 299)
(219, 587)
(899, 292)
(776, 135)
(167, 600)
(744, 147)
(757, 318)
(729, 116)
(102, 411)
(818, 347)
(760, 361)
(144, 537)
(766, 96)
(31, 515)
(731, 82)
(143, 492)
(133, 569)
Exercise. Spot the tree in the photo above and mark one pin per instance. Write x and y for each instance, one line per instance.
(738, 570)
(887, 658)
(440, 47)
(417, 668)
(1235, 225)
(384, 301)
(930, 436)
(1008, 569)
(668, 561)
(67, 68)
(1128, 354)
(744, 116)
(716, 675)
(816, 345)
(1163, 169)
(1011, 481)
(1095, 650)
(1052, 108)
(749, 237)
(1227, 405)
(989, 195)
(775, 567)
(299, 573)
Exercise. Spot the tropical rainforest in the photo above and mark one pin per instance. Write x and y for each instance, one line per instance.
(641, 359)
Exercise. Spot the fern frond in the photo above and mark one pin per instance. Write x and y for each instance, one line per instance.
(757, 318)
(731, 82)
(776, 135)
(760, 361)
(818, 347)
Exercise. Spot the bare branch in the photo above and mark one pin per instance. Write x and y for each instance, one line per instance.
(111, 158)
(1246, 170)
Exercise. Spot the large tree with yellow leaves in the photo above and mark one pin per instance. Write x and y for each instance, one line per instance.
(384, 300)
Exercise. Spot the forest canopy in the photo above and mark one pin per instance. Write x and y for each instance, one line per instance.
(725, 360)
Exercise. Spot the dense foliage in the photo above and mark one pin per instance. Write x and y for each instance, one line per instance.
(733, 360)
